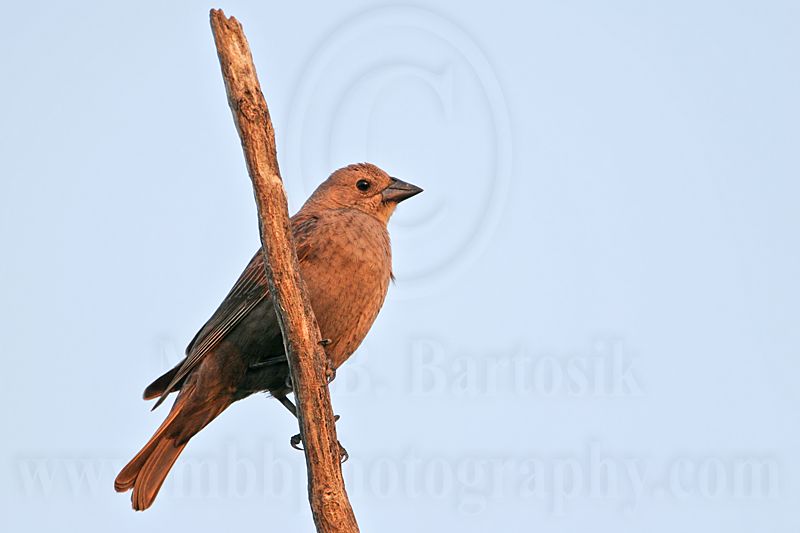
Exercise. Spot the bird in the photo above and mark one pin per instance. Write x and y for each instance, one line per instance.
(344, 255)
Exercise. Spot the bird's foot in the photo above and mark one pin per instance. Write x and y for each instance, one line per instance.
(343, 455)
(297, 439)
(330, 369)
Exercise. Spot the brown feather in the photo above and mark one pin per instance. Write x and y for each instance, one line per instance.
(345, 258)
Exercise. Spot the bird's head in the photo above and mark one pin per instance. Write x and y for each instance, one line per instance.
(365, 187)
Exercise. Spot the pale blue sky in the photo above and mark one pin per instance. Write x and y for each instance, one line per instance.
(594, 325)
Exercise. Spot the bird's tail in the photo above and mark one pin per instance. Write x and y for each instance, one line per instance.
(145, 473)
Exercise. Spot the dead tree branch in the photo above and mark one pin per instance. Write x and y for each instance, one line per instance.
(301, 337)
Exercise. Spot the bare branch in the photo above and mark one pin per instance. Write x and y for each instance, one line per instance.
(301, 337)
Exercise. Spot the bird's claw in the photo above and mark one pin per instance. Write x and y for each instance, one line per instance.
(295, 442)
(297, 439)
(343, 455)
(330, 370)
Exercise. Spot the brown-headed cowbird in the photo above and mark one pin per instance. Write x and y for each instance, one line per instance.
(343, 247)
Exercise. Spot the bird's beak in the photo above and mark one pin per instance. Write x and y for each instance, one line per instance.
(399, 190)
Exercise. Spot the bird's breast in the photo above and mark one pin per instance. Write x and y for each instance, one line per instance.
(347, 273)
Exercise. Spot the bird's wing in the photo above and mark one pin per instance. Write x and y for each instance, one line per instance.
(250, 289)
(247, 292)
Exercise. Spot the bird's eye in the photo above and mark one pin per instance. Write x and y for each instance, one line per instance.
(362, 185)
